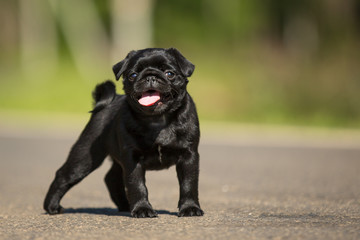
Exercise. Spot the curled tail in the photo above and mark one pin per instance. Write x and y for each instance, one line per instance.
(103, 95)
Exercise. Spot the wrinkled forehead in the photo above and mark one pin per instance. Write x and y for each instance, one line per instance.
(155, 59)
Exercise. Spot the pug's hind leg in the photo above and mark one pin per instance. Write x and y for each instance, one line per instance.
(115, 184)
(83, 159)
(86, 155)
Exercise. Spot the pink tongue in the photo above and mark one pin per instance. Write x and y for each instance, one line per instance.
(149, 98)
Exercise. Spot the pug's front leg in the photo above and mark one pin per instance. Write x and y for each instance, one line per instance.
(188, 175)
(137, 192)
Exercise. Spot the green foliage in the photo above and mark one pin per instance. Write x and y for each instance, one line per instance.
(262, 61)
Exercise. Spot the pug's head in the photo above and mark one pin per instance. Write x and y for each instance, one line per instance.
(154, 79)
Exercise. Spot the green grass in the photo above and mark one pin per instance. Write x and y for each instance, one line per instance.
(256, 85)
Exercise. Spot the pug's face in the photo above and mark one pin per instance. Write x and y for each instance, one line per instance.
(154, 79)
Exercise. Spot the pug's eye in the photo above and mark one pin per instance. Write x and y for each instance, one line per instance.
(170, 75)
(132, 76)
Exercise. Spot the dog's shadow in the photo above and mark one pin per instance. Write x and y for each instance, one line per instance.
(109, 212)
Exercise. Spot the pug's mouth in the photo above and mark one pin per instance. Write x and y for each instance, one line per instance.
(153, 97)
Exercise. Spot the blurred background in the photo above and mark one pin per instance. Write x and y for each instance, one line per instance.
(257, 61)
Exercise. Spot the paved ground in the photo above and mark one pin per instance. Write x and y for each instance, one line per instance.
(248, 190)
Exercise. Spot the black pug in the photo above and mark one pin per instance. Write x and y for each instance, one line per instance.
(152, 127)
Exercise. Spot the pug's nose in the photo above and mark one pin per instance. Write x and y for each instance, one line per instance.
(151, 79)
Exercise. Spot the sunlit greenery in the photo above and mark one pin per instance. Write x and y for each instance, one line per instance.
(278, 62)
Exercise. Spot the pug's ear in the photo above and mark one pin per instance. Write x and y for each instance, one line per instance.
(186, 67)
(120, 67)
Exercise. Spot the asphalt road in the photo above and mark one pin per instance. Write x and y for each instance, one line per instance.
(248, 190)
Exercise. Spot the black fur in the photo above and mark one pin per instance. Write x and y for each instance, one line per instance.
(103, 95)
(138, 137)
